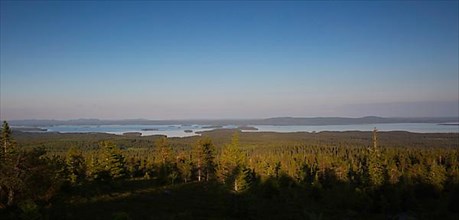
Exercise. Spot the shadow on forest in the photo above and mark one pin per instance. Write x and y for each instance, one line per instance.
(274, 198)
(294, 182)
(144, 199)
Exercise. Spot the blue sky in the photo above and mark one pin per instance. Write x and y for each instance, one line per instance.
(177, 60)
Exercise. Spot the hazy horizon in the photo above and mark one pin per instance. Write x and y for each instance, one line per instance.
(228, 118)
(228, 60)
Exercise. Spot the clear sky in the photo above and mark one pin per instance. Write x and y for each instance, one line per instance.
(188, 60)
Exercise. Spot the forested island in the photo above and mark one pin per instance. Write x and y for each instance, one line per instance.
(228, 174)
(217, 123)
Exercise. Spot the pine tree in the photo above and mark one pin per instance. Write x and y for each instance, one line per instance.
(232, 164)
(203, 158)
(75, 165)
(133, 167)
(94, 170)
(392, 172)
(185, 166)
(165, 160)
(244, 179)
(6, 141)
(25, 174)
(437, 175)
(113, 160)
(375, 166)
(9, 177)
(164, 151)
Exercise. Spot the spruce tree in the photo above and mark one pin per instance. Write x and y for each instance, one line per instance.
(164, 157)
(75, 166)
(203, 158)
(184, 166)
(232, 164)
(164, 151)
(375, 165)
(113, 161)
(94, 170)
(25, 175)
(6, 140)
(437, 175)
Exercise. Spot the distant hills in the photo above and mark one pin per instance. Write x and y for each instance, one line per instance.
(347, 121)
(239, 122)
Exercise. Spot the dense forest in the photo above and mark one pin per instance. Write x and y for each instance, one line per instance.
(228, 174)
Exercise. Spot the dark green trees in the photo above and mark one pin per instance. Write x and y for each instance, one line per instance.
(203, 158)
(185, 166)
(345, 179)
(9, 177)
(26, 175)
(232, 169)
(112, 161)
(375, 165)
(436, 175)
(75, 166)
(165, 160)
(164, 151)
(7, 143)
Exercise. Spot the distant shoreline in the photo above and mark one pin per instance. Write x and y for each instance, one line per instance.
(193, 130)
(215, 123)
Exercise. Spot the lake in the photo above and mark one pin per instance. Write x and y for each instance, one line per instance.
(411, 127)
(190, 130)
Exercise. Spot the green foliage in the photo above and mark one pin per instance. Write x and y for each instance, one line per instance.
(164, 151)
(276, 176)
(185, 167)
(112, 161)
(375, 168)
(6, 139)
(167, 168)
(244, 180)
(75, 165)
(26, 175)
(232, 163)
(134, 167)
(203, 158)
(437, 175)
(94, 170)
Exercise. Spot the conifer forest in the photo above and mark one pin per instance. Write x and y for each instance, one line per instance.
(229, 174)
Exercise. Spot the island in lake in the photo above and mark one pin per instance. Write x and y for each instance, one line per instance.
(132, 134)
(247, 128)
(29, 129)
(149, 129)
(212, 126)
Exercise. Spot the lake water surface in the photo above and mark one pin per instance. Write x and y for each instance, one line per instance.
(179, 130)
(411, 127)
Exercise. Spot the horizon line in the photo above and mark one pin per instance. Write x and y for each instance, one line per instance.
(223, 118)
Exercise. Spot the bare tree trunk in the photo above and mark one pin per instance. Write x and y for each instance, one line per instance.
(199, 170)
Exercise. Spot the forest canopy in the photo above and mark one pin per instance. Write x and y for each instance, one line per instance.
(325, 175)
